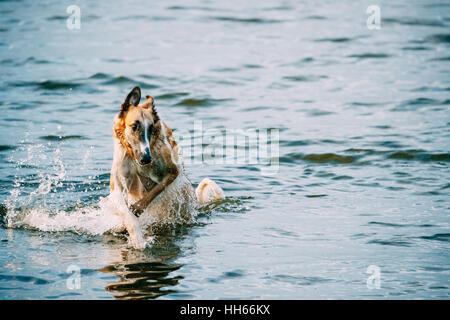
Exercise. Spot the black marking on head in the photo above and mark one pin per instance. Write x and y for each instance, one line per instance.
(132, 99)
(135, 125)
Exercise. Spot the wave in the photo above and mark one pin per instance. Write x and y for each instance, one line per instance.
(396, 225)
(7, 148)
(28, 279)
(446, 58)
(316, 17)
(305, 78)
(125, 81)
(437, 237)
(108, 79)
(100, 75)
(172, 95)
(328, 157)
(89, 17)
(392, 242)
(319, 158)
(420, 102)
(356, 155)
(178, 7)
(298, 280)
(61, 138)
(247, 20)
(416, 48)
(195, 102)
(144, 18)
(31, 60)
(336, 40)
(431, 88)
(414, 22)
(47, 84)
(438, 38)
(370, 56)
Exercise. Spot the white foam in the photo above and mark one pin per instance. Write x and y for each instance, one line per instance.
(89, 220)
(30, 209)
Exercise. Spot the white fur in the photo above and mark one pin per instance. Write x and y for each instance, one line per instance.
(208, 191)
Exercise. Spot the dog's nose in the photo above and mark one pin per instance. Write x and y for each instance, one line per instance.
(146, 159)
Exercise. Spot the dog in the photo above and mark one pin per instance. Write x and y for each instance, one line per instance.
(147, 174)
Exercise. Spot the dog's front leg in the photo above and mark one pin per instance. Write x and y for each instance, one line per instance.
(141, 204)
(131, 223)
(136, 236)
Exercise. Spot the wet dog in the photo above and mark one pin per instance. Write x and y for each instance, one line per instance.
(148, 173)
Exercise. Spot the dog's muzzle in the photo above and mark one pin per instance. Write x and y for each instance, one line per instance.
(146, 158)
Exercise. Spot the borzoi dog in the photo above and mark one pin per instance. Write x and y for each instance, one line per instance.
(148, 172)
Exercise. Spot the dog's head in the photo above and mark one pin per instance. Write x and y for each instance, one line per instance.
(137, 126)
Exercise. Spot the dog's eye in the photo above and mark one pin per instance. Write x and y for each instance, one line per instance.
(135, 126)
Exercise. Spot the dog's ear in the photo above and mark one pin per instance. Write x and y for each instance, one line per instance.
(154, 112)
(132, 99)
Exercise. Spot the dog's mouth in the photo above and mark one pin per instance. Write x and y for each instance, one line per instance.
(144, 164)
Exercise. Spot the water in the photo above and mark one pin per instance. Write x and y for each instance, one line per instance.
(364, 148)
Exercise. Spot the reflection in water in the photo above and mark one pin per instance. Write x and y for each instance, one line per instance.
(148, 274)
(144, 280)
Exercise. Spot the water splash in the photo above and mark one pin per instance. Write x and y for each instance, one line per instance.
(88, 220)
(35, 201)
(49, 195)
(49, 200)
